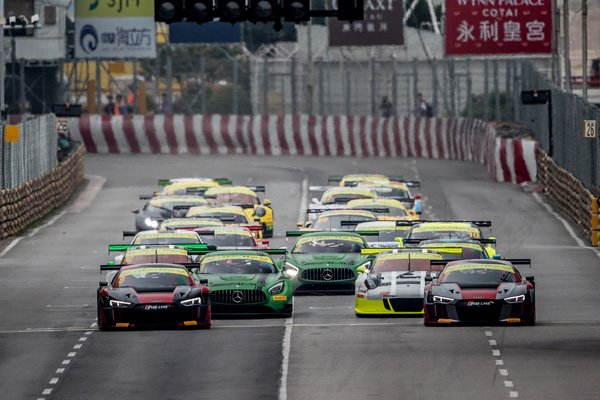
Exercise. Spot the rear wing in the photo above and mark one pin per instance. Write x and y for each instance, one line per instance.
(300, 233)
(187, 246)
(149, 196)
(271, 252)
(381, 210)
(220, 181)
(481, 241)
(319, 210)
(114, 267)
(258, 189)
(519, 261)
(479, 224)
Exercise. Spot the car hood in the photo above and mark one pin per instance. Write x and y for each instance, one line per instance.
(134, 296)
(502, 291)
(326, 260)
(240, 281)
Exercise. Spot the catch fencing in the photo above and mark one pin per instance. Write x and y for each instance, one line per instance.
(34, 154)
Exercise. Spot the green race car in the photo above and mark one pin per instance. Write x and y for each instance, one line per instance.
(246, 283)
(326, 262)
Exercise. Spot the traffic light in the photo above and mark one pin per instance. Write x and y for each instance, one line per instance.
(199, 11)
(168, 11)
(263, 10)
(231, 10)
(296, 10)
(350, 10)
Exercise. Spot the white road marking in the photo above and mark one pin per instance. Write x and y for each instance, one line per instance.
(72, 354)
(567, 226)
(503, 371)
(77, 346)
(509, 384)
(496, 353)
(488, 333)
(82, 339)
(10, 246)
(66, 362)
(90, 332)
(499, 362)
(47, 391)
(53, 381)
(60, 370)
(285, 361)
(513, 394)
(492, 342)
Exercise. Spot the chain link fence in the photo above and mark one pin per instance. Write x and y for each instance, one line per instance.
(32, 155)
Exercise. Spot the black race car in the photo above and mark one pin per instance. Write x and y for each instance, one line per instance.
(160, 208)
(480, 291)
(150, 295)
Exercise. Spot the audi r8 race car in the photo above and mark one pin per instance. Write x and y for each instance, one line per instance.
(189, 223)
(385, 209)
(246, 198)
(338, 220)
(336, 198)
(481, 291)
(396, 190)
(231, 238)
(325, 262)
(246, 282)
(183, 186)
(394, 284)
(229, 215)
(162, 207)
(383, 233)
(152, 294)
(450, 230)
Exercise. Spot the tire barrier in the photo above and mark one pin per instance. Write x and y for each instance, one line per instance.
(35, 198)
(569, 196)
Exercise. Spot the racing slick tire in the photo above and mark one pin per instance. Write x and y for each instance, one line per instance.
(288, 311)
(266, 233)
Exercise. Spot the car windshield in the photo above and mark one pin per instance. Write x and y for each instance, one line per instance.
(387, 236)
(334, 222)
(238, 266)
(155, 277)
(477, 277)
(323, 245)
(156, 258)
(391, 192)
(343, 198)
(449, 234)
(153, 240)
(464, 254)
(229, 240)
(391, 211)
(226, 218)
(390, 264)
(233, 198)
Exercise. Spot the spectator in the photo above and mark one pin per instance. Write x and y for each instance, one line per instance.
(130, 100)
(109, 108)
(120, 106)
(164, 103)
(424, 109)
(386, 107)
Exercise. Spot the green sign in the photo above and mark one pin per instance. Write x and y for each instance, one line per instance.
(114, 8)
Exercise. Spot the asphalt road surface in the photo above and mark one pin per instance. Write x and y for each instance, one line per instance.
(50, 349)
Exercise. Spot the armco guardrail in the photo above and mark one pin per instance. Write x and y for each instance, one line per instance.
(35, 198)
(569, 195)
(508, 160)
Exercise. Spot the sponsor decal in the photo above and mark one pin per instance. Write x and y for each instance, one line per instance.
(153, 270)
(280, 298)
(156, 307)
(480, 303)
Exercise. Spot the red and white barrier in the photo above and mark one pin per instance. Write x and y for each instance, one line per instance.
(443, 138)
(515, 160)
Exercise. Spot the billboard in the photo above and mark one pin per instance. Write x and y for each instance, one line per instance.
(498, 27)
(212, 32)
(115, 29)
(382, 25)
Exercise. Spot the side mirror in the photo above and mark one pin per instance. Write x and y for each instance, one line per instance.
(136, 211)
(103, 284)
(362, 269)
(267, 202)
(260, 212)
(530, 279)
(371, 282)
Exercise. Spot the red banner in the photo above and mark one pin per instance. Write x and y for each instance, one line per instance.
(498, 27)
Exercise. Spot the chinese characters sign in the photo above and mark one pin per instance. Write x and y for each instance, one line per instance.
(382, 25)
(113, 29)
(494, 27)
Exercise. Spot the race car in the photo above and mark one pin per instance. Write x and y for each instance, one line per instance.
(336, 198)
(396, 190)
(458, 249)
(231, 238)
(152, 294)
(188, 223)
(229, 215)
(246, 198)
(394, 285)
(162, 207)
(338, 220)
(353, 180)
(325, 262)
(184, 239)
(385, 209)
(182, 186)
(220, 181)
(163, 255)
(246, 282)
(481, 291)
(383, 233)
(450, 230)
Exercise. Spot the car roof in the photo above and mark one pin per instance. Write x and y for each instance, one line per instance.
(378, 201)
(175, 222)
(500, 265)
(215, 210)
(445, 226)
(152, 265)
(381, 226)
(383, 184)
(228, 230)
(159, 200)
(169, 251)
(230, 189)
(329, 234)
(405, 255)
(348, 190)
(166, 234)
(357, 213)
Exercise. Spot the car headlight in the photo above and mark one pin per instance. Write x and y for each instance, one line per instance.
(515, 299)
(276, 289)
(151, 223)
(367, 265)
(442, 299)
(291, 270)
(196, 301)
(119, 304)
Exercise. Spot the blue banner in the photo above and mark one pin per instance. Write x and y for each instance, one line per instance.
(212, 32)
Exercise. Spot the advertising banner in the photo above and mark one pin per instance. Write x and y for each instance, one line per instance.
(382, 25)
(115, 29)
(498, 27)
(212, 32)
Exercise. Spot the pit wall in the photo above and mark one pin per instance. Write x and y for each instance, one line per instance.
(507, 160)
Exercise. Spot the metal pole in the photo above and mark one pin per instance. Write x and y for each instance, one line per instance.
(496, 92)
(584, 43)
(372, 85)
(136, 100)
(22, 85)
(13, 61)
(434, 100)
(485, 89)
(236, 83)
(321, 110)
(169, 78)
(293, 85)
(98, 88)
(507, 92)
(394, 86)
(469, 91)
(204, 84)
(265, 85)
(415, 71)
(566, 49)
(348, 77)
(309, 81)
(2, 71)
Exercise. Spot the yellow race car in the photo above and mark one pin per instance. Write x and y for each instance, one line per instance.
(229, 215)
(338, 220)
(246, 198)
(387, 233)
(385, 209)
(351, 180)
(188, 223)
(394, 284)
(396, 190)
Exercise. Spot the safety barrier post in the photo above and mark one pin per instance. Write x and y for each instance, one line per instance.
(595, 221)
